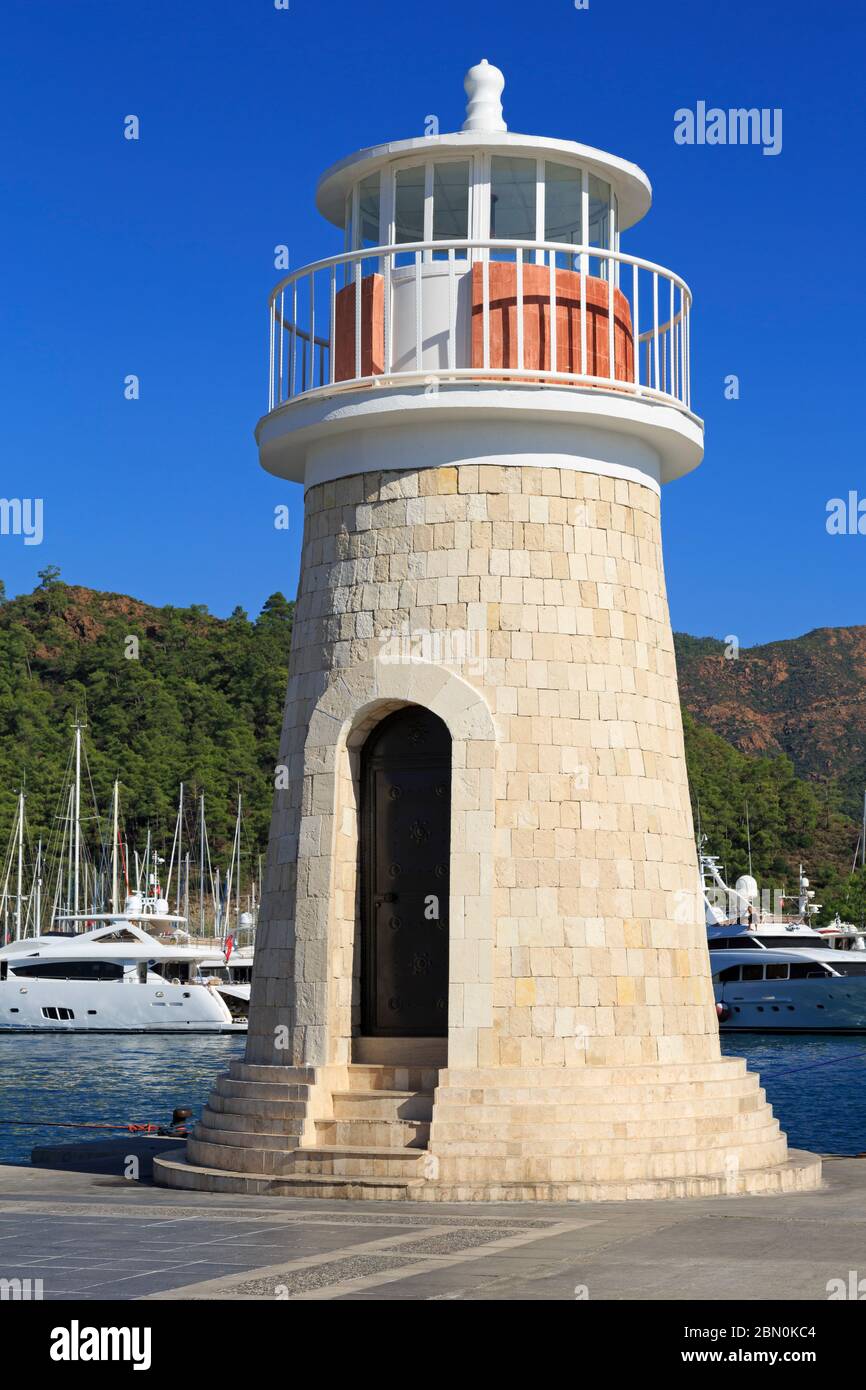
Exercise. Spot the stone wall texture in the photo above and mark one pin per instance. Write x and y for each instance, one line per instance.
(526, 606)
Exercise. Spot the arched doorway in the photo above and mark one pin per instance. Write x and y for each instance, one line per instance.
(405, 872)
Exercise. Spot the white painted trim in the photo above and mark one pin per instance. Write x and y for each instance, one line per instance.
(591, 430)
(631, 183)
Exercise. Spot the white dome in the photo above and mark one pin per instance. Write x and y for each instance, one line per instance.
(746, 887)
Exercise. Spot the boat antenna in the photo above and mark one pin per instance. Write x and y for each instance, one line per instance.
(749, 839)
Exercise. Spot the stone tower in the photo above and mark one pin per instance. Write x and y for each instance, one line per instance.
(481, 970)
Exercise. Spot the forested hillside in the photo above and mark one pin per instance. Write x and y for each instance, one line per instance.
(176, 694)
(168, 695)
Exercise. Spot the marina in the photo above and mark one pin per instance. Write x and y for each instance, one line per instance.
(432, 837)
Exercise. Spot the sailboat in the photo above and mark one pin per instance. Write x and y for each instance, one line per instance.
(105, 971)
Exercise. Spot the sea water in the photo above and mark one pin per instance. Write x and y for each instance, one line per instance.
(109, 1078)
(815, 1083)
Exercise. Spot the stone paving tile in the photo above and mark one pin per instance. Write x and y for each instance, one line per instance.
(160, 1243)
(320, 1276)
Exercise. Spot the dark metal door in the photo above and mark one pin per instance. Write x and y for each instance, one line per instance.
(405, 861)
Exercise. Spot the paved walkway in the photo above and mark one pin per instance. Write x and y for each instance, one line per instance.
(99, 1237)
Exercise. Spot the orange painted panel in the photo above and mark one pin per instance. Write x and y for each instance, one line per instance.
(536, 321)
(372, 329)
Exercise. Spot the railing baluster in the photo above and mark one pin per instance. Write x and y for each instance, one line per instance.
(553, 344)
(358, 288)
(485, 310)
(584, 357)
(293, 334)
(271, 327)
(671, 331)
(282, 337)
(520, 344)
(389, 267)
(418, 316)
(656, 329)
(681, 371)
(635, 351)
(312, 329)
(332, 337)
(611, 325)
(687, 323)
(452, 312)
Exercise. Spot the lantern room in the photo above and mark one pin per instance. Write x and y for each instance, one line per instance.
(479, 258)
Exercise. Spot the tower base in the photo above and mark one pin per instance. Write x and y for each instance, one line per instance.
(411, 1133)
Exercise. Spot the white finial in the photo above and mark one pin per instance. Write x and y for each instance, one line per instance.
(484, 85)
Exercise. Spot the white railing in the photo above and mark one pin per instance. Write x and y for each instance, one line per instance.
(327, 332)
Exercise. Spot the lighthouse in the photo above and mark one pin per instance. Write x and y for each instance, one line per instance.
(481, 970)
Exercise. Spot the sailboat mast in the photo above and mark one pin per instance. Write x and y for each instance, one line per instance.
(238, 884)
(201, 871)
(77, 816)
(70, 817)
(179, 848)
(115, 906)
(20, 865)
(37, 926)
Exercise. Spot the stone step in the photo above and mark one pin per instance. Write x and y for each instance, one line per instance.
(800, 1172)
(565, 1143)
(262, 1090)
(214, 1133)
(224, 1150)
(400, 1134)
(579, 1092)
(382, 1105)
(296, 1076)
(218, 1116)
(267, 1154)
(612, 1168)
(376, 1077)
(427, 1052)
(707, 1129)
(603, 1077)
(290, 1111)
(359, 1162)
(181, 1173)
(501, 1117)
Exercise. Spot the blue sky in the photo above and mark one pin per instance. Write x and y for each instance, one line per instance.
(155, 257)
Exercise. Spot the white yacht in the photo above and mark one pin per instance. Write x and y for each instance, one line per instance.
(729, 910)
(232, 975)
(766, 989)
(777, 972)
(115, 978)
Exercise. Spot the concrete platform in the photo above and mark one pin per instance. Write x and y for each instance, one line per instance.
(92, 1237)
